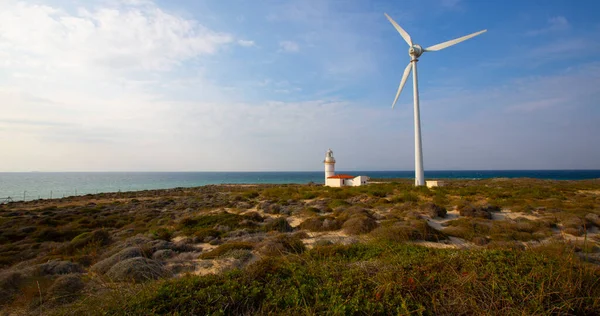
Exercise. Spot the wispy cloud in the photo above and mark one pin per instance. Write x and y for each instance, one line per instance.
(246, 43)
(289, 46)
(554, 24)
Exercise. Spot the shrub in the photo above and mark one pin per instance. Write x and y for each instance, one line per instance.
(137, 270)
(573, 225)
(359, 225)
(163, 234)
(405, 197)
(282, 244)
(53, 234)
(251, 194)
(404, 231)
(223, 249)
(321, 223)
(240, 254)
(10, 281)
(475, 211)
(278, 224)
(106, 264)
(163, 254)
(57, 267)
(381, 279)
(101, 237)
(593, 219)
(434, 210)
(337, 203)
(65, 289)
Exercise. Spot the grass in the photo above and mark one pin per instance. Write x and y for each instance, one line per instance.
(382, 278)
(508, 272)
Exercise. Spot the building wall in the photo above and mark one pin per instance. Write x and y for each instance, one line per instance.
(334, 182)
(360, 180)
(434, 183)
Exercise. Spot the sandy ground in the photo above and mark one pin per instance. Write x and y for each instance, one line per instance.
(592, 234)
(338, 237)
(504, 214)
(438, 222)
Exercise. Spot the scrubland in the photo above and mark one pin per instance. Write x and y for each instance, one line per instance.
(497, 246)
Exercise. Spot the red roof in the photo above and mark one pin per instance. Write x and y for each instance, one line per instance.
(341, 176)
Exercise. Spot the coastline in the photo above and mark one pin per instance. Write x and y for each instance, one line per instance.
(30, 186)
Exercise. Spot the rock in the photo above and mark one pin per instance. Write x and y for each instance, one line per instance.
(66, 288)
(106, 264)
(137, 270)
(57, 267)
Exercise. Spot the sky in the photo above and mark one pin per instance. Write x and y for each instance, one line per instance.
(207, 85)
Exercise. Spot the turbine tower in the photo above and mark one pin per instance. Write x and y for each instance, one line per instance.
(415, 51)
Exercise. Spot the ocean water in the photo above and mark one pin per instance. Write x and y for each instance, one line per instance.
(34, 185)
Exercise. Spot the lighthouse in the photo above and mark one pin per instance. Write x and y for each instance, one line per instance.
(329, 165)
(340, 180)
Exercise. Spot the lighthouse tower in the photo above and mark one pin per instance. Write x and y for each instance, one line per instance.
(329, 164)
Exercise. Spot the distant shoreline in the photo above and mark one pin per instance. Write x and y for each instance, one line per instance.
(42, 185)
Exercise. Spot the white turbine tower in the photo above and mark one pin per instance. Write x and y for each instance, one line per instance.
(415, 51)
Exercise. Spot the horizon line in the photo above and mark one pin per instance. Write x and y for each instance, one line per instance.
(276, 171)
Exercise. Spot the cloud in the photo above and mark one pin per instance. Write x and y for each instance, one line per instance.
(246, 43)
(289, 46)
(129, 36)
(554, 24)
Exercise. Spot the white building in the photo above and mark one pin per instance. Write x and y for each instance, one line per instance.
(340, 180)
(435, 183)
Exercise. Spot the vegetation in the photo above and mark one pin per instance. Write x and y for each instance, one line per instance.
(513, 247)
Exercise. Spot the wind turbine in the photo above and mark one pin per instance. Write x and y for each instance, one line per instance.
(415, 51)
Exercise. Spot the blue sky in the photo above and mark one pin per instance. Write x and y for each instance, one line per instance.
(138, 85)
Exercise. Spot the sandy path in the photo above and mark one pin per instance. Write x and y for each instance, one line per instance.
(504, 214)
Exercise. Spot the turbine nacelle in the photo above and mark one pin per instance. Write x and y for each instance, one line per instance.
(415, 51)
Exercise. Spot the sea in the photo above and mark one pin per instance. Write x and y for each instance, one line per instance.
(18, 186)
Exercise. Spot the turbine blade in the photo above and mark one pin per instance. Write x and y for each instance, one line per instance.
(452, 42)
(403, 82)
(400, 30)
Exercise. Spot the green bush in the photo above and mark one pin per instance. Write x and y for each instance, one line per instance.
(279, 224)
(382, 279)
(225, 248)
(321, 223)
(162, 234)
(359, 225)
